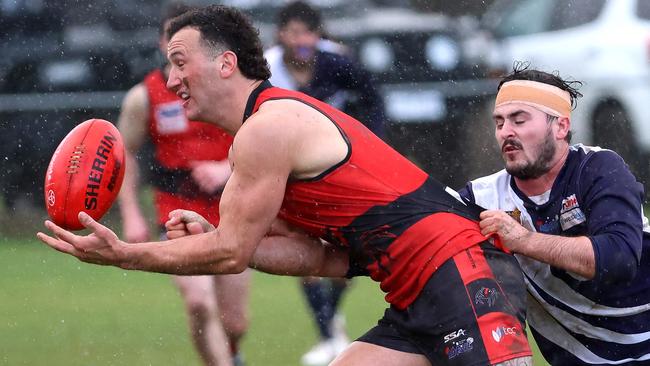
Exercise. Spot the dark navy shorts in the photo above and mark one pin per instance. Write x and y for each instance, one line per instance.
(470, 312)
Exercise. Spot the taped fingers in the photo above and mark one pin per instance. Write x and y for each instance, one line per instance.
(191, 218)
(195, 228)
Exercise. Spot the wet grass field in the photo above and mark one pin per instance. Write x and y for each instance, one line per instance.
(55, 310)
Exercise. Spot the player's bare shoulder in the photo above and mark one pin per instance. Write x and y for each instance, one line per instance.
(294, 113)
(134, 116)
(311, 141)
(136, 97)
(261, 144)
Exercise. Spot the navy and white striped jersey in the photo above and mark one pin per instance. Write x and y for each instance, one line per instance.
(606, 320)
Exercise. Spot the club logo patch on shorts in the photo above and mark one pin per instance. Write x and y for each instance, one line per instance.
(459, 347)
(486, 295)
(502, 331)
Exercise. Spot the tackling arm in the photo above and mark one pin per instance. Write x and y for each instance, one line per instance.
(574, 254)
(288, 251)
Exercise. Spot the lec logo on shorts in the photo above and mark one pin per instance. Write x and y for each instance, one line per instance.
(503, 331)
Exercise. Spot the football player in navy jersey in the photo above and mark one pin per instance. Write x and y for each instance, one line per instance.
(573, 216)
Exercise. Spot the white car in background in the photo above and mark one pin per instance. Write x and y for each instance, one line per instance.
(603, 43)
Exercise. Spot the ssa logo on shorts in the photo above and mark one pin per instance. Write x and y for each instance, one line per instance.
(455, 334)
(503, 331)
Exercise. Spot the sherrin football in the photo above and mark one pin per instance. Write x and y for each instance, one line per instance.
(85, 173)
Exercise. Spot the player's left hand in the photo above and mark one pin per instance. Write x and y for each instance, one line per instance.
(184, 222)
(101, 246)
(511, 233)
(210, 176)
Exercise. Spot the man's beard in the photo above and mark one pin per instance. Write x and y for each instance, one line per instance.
(300, 58)
(540, 166)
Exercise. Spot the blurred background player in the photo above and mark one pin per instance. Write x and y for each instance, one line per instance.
(189, 171)
(305, 60)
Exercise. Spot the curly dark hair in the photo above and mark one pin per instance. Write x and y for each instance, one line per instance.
(172, 10)
(302, 12)
(226, 27)
(522, 71)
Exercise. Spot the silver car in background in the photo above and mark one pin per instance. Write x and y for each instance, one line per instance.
(603, 43)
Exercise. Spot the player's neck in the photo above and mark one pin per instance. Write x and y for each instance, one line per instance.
(537, 186)
(232, 119)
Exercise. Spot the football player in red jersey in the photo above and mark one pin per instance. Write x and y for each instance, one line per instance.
(328, 178)
(303, 60)
(190, 168)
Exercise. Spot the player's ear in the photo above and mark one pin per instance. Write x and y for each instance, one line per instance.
(228, 64)
(564, 126)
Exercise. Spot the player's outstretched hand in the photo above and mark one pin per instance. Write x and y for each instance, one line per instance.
(101, 246)
(183, 223)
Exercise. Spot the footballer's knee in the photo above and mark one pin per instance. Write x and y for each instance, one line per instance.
(199, 309)
(235, 326)
(519, 361)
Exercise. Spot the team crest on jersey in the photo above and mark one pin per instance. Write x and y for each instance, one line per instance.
(515, 214)
(570, 213)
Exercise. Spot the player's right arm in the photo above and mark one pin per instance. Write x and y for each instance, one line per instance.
(263, 157)
(132, 124)
(275, 143)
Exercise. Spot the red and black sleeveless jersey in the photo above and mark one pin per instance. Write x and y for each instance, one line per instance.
(399, 224)
(177, 141)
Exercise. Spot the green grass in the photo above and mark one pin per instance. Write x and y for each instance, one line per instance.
(58, 311)
(55, 310)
